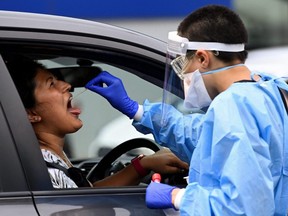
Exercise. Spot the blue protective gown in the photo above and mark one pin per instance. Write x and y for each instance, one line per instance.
(238, 150)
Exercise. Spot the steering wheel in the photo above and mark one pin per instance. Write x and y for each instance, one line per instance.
(99, 170)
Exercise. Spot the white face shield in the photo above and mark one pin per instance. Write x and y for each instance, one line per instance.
(177, 59)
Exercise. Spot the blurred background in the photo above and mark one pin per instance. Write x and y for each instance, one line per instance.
(266, 20)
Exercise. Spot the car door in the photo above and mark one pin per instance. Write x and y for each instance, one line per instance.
(55, 48)
(100, 201)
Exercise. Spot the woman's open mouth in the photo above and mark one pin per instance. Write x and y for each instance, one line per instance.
(73, 110)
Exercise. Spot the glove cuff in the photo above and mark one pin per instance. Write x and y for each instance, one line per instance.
(139, 113)
(133, 109)
(178, 199)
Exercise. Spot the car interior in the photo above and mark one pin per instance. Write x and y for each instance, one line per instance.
(98, 155)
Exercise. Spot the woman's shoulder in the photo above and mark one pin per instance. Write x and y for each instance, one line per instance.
(51, 157)
(58, 177)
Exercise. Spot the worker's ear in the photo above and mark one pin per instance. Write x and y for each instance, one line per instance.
(32, 116)
(203, 57)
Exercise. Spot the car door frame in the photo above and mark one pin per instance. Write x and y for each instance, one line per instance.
(17, 167)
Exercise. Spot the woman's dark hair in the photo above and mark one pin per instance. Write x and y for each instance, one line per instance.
(23, 72)
(215, 23)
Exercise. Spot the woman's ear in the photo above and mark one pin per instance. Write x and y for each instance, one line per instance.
(32, 116)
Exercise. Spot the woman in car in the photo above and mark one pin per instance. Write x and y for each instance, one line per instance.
(48, 104)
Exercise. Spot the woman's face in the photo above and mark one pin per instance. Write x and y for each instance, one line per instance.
(53, 105)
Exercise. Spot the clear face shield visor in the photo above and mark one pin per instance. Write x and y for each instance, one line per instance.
(179, 65)
(179, 53)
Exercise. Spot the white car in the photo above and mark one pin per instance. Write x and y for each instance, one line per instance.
(270, 60)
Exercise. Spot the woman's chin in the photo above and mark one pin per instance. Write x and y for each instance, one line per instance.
(77, 126)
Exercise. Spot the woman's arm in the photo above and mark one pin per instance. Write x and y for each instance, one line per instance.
(163, 161)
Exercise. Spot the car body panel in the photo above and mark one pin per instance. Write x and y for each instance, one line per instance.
(69, 27)
(17, 203)
(105, 201)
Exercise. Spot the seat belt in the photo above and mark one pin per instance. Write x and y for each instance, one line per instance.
(74, 173)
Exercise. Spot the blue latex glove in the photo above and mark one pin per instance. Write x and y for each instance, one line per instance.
(115, 93)
(158, 196)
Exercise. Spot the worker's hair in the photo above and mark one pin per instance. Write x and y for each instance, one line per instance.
(23, 72)
(215, 23)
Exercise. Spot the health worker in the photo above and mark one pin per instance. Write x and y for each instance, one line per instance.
(232, 126)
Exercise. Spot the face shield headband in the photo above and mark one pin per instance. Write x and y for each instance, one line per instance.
(178, 46)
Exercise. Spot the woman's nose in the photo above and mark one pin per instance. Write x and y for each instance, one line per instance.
(65, 86)
(68, 86)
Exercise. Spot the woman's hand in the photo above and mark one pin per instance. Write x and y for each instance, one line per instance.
(164, 162)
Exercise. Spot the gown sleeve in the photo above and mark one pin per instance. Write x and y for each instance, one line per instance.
(180, 132)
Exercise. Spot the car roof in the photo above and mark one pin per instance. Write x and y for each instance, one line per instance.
(13, 19)
(19, 28)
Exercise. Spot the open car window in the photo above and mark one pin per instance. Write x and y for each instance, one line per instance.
(103, 126)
